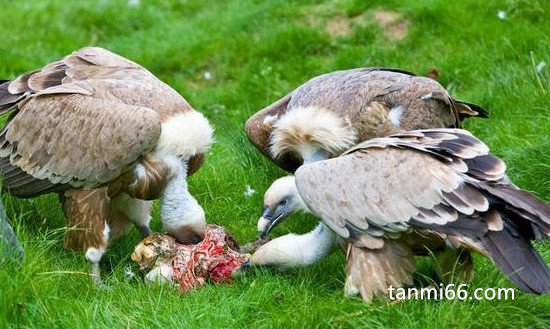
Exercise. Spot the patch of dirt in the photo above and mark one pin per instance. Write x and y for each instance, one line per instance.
(392, 24)
(329, 17)
(339, 27)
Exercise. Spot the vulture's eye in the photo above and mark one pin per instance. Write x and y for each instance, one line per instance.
(282, 203)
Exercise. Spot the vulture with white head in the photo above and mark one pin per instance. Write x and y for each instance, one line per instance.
(330, 113)
(107, 136)
(386, 195)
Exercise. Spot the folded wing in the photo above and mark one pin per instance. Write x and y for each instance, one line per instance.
(443, 180)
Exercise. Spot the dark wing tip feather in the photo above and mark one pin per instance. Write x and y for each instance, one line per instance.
(7, 99)
(486, 167)
(22, 185)
(514, 255)
(48, 78)
(522, 203)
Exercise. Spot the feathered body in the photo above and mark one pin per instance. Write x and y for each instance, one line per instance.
(389, 197)
(329, 113)
(96, 127)
(444, 182)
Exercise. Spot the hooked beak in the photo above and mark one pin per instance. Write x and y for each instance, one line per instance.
(269, 220)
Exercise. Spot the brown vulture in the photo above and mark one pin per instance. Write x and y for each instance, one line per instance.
(107, 136)
(330, 113)
(390, 196)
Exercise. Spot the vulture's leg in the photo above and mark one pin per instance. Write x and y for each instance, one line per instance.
(136, 210)
(453, 264)
(180, 213)
(86, 213)
(371, 272)
(293, 250)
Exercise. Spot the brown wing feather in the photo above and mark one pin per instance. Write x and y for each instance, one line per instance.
(258, 129)
(432, 180)
(385, 183)
(99, 72)
(81, 120)
(76, 139)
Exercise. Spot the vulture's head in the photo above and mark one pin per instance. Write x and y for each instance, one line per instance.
(280, 200)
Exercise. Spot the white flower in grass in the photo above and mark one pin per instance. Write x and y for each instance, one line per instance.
(249, 191)
(501, 14)
(133, 3)
(540, 66)
(207, 75)
(128, 273)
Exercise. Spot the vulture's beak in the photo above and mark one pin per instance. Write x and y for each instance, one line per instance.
(270, 219)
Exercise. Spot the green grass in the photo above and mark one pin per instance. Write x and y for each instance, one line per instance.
(256, 52)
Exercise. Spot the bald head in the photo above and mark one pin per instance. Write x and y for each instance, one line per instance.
(280, 200)
(281, 189)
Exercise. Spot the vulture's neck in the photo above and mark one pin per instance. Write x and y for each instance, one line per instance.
(312, 155)
(316, 244)
(178, 206)
(293, 250)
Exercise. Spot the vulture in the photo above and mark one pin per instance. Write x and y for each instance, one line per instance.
(108, 137)
(330, 113)
(388, 195)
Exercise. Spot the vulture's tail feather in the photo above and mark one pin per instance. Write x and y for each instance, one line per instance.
(511, 251)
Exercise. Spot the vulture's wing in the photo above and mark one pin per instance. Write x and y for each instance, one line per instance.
(420, 102)
(98, 72)
(388, 184)
(75, 139)
(443, 180)
(81, 120)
